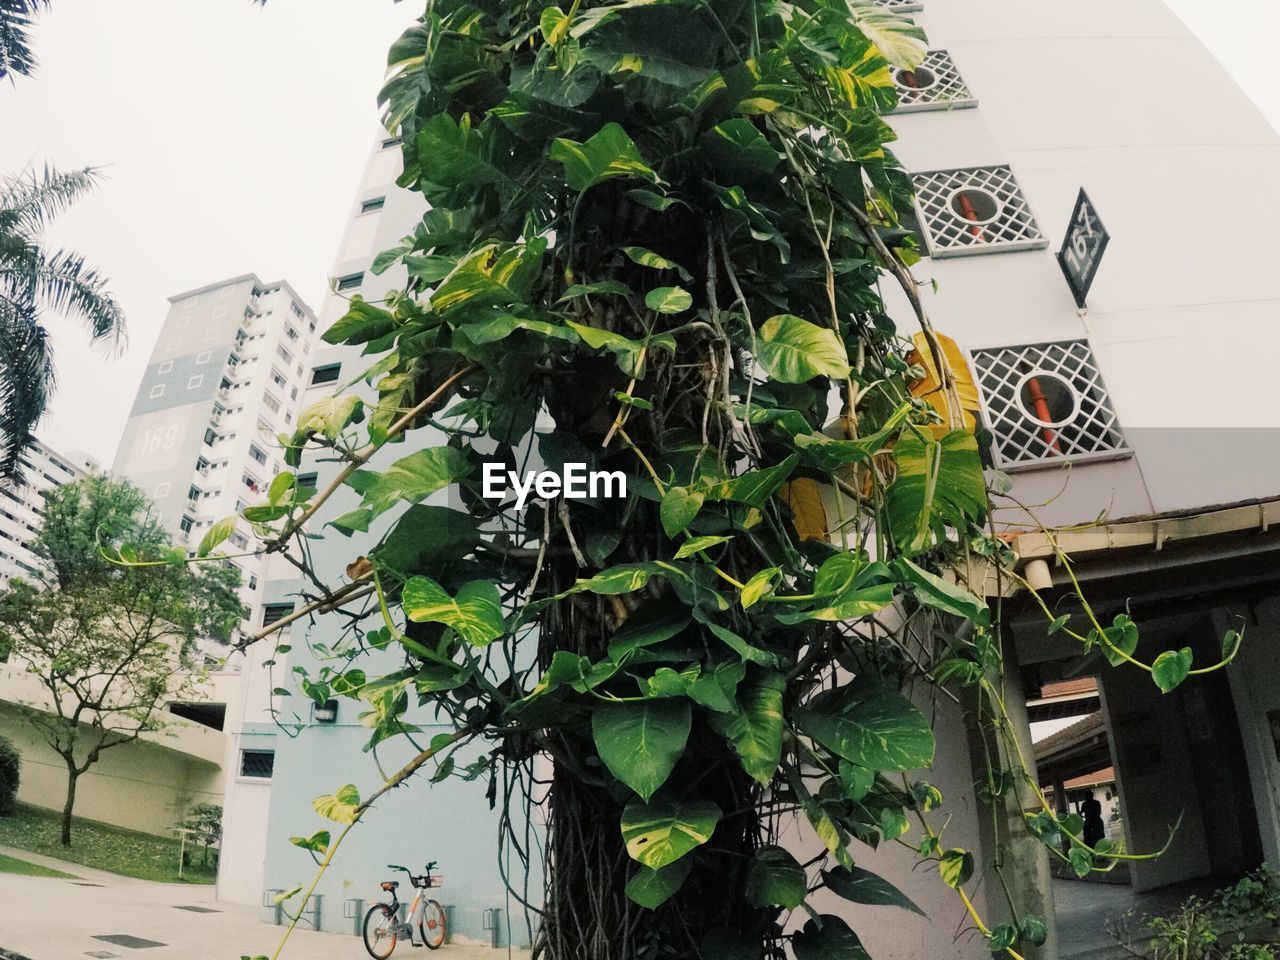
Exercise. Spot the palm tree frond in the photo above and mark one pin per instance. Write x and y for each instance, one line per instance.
(64, 282)
(29, 200)
(16, 17)
(27, 383)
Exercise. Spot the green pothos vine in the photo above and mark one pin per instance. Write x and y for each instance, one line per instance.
(656, 239)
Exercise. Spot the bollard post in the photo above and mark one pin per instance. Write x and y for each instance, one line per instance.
(353, 909)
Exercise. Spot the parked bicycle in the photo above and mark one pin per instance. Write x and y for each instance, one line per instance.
(383, 927)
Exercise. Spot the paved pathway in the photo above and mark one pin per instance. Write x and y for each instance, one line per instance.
(42, 918)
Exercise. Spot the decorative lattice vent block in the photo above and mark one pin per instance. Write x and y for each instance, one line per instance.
(901, 6)
(934, 85)
(975, 210)
(1046, 403)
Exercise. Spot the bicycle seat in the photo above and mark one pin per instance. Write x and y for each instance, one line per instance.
(390, 885)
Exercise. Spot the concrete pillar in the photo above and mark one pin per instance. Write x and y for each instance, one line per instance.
(1006, 842)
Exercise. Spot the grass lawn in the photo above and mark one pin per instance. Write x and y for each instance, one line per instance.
(101, 846)
(14, 865)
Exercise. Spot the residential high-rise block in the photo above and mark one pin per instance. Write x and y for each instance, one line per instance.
(22, 505)
(226, 377)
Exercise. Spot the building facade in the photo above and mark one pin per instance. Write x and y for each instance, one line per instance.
(22, 505)
(282, 751)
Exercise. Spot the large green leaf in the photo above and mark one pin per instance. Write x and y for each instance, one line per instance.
(656, 621)
(330, 416)
(494, 275)
(755, 730)
(1171, 668)
(653, 888)
(427, 534)
(361, 323)
(793, 350)
(339, 806)
(667, 43)
(870, 725)
(755, 487)
(641, 742)
(939, 485)
(680, 505)
(452, 154)
(828, 938)
(608, 154)
(411, 478)
(624, 578)
(1121, 639)
(896, 36)
(661, 832)
(933, 591)
(775, 879)
(668, 300)
(863, 886)
(738, 151)
(475, 613)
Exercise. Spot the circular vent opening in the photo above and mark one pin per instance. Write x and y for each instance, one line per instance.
(1047, 399)
(975, 205)
(921, 78)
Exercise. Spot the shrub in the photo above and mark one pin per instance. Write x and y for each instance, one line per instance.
(10, 767)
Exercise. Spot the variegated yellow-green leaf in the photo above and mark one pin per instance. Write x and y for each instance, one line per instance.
(660, 833)
(668, 300)
(794, 350)
(475, 614)
(870, 725)
(608, 154)
(339, 806)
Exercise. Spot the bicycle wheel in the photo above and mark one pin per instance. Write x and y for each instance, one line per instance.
(433, 924)
(379, 931)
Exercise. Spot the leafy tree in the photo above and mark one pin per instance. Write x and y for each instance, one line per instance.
(205, 822)
(109, 644)
(10, 775)
(34, 281)
(656, 242)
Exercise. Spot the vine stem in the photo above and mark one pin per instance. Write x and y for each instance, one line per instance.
(360, 457)
(403, 774)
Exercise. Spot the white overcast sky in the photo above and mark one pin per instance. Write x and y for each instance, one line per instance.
(234, 137)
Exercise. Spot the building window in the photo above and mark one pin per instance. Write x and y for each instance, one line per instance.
(157, 391)
(251, 482)
(196, 381)
(274, 612)
(975, 210)
(278, 378)
(270, 402)
(257, 454)
(351, 281)
(253, 582)
(203, 356)
(373, 204)
(934, 85)
(239, 542)
(901, 6)
(1046, 403)
(284, 354)
(165, 367)
(297, 310)
(185, 524)
(325, 374)
(308, 480)
(257, 764)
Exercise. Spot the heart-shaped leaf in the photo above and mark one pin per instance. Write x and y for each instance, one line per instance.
(660, 833)
(475, 614)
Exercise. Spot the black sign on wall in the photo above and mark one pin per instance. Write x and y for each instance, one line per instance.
(1082, 250)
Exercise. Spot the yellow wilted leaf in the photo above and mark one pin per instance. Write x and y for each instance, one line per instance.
(804, 497)
(929, 387)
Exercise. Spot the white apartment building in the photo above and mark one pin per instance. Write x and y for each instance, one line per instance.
(226, 377)
(22, 505)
